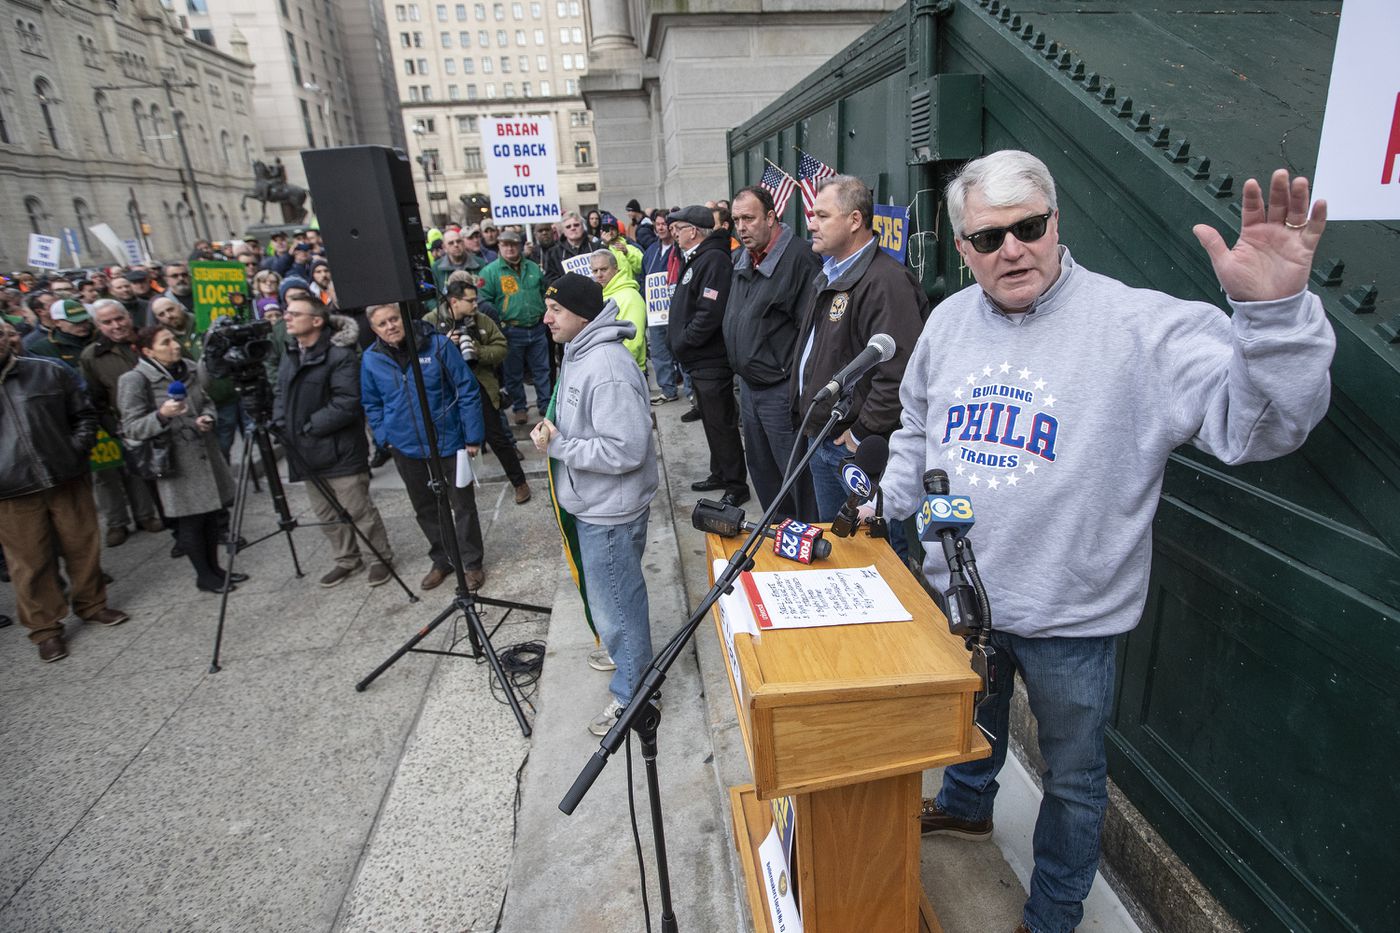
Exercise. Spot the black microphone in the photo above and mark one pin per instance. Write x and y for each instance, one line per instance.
(861, 474)
(727, 521)
(880, 349)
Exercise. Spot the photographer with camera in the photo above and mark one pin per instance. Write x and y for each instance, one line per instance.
(317, 410)
(391, 404)
(483, 347)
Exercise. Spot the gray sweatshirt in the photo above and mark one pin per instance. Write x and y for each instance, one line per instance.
(603, 415)
(1058, 424)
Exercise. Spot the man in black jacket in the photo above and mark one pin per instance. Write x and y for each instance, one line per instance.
(575, 242)
(773, 283)
(47, 428)
(861, 291)
(696, 336)
(318, 408)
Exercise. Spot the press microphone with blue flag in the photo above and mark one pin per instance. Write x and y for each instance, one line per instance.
(947, 519)
(861, 474)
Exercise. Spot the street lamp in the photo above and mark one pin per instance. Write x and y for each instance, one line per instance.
(189, 184)
(429, 164)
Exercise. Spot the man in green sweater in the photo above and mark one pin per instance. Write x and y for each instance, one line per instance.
(515, 286)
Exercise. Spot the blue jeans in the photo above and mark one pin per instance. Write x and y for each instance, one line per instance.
(668, 374)
(528, 345)
(617, 596)
(1069, 683)
(227, 418)
(765, 415)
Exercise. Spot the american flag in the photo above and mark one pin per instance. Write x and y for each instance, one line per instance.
(779, 184)
(810, 172)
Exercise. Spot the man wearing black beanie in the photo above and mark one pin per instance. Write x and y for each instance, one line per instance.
(600, 437)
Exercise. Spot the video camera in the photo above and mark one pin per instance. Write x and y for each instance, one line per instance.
(237, 349)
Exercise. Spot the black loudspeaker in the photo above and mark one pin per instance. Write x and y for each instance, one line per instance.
(368, 212)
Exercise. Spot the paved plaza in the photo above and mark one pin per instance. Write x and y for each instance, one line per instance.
(142, 792)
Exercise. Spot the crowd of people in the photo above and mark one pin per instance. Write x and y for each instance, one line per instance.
(1080, 388)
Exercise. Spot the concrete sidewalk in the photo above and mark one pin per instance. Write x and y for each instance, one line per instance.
(142, 792)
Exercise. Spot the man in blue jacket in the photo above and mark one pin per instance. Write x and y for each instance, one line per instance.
(390, 399)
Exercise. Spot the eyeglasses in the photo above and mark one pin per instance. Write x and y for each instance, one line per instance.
(1027, 231)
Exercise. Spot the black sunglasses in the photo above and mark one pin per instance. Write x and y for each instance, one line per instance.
(1027, 231)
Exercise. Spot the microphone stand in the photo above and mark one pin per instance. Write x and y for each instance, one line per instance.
(643, 715)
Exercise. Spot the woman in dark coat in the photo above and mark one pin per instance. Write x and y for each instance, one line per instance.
(200, 484)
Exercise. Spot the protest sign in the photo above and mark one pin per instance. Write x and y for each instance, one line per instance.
(1358, 157)
(132, 248)
(44, 251)
(108, 238)
(658, 300)
(521, 169)
(212, 283)
(70, 237)
(106, 453)
(578, 264)
(891, 225)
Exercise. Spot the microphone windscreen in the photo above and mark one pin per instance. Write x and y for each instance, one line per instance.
(176, 390)
(885, 343)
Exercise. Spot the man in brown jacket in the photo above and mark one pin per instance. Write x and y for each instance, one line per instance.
(861, 291)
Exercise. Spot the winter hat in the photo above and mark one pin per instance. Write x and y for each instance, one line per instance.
(577, 293)
(697, 215)
(289, 283)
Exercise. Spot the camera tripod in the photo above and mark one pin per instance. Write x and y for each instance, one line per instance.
(466, 600)
(256, 394)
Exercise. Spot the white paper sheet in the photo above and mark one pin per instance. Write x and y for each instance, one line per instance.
(811, 598)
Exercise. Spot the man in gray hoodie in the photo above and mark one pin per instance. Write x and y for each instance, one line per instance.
(1055, 396)
(601, 436)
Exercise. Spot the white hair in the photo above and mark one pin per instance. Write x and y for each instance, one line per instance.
(607, 254)
(1002, 179)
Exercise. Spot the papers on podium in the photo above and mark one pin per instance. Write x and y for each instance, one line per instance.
(811, 598)
(735, 617)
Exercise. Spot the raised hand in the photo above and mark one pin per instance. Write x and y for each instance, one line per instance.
(1274, 253)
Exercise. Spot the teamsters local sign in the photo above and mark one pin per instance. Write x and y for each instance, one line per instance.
(521, 169)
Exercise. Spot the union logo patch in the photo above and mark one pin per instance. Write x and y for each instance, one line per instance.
(838, 306)
(685, 279)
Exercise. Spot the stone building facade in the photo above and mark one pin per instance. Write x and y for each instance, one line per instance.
(89, 92)
(322, 70)
(668, 79)
(458, 62)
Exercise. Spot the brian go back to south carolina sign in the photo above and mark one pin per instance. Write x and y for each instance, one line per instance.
(521, 169)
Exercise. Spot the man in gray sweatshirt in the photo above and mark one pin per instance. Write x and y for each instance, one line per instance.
(601, 435)
(1055, 395)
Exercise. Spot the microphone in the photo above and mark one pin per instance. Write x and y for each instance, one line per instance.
(861, 474)
(176, 391)
(942, 516)
(793, 539)
(947, 519)
(880, 349)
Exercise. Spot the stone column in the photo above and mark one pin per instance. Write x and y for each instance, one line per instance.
(612, 28)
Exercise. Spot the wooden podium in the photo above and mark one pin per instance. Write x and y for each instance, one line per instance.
(844, 719)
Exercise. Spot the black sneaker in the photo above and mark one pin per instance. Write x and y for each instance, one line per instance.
(338, 574)
(691, 416)
(934, 822)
